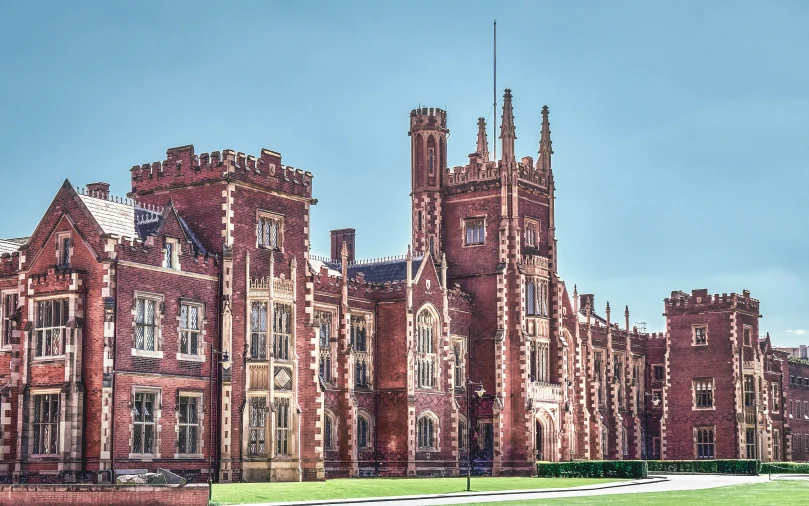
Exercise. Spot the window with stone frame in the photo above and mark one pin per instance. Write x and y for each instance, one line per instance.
(624, 442)
(258, 330)
(324, 324)
(147, 310)
(45, 423)
(426, 361)
(459, 363)
(358, 330)
(746, 333)
(658, 372)
(749, 391)
(539, 362)
(474, 231)
(605, 443)
(51, 326)
(269, 231)
(10, 300)
(427, 432)
(257, 444)
(329, 432)
(282, 423)
(657, 393)
(463, 434)
(531, 233)
(776, 445)
(363, 431)
(188, 423)
(705, 442)
(530, 298)
(190, 328)
(598, 375)
(703, 393)
(806, 410)
(63, 245)
(750, 443)
(144, 434)
(171, 254)
(798, 410)
(776, 398)
(700, 337)
(281, 331)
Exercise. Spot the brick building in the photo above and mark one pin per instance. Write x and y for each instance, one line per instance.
(188, 324)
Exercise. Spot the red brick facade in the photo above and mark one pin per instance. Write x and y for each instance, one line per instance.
(114, 310)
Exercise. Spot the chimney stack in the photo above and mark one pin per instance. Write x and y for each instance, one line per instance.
(346, 235)
(100, 190)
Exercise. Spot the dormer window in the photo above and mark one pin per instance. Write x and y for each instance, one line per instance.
(269, 231)
(171, 254)
(63, 250)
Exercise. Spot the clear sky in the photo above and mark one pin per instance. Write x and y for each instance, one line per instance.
(679, 128)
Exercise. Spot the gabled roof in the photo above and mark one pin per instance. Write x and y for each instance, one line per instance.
(375, 271)
(118, 218)
(11, 245)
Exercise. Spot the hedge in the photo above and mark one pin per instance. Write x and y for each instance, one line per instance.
(593, 469)
(784, 467)
(705, 466)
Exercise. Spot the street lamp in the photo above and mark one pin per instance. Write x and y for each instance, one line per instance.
(225, 359)
(655, 402)
(479, 391)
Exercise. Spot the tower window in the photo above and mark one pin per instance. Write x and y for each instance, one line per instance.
(474, 231)
(431, 161)
(269, 231)
(700, 335)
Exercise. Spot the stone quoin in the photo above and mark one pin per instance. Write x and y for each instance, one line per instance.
(188, 324)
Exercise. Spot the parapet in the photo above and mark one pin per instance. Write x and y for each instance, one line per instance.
(428, 118)
(182, 168)
(681, 302)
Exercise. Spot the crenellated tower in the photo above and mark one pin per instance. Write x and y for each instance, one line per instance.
(428, 140)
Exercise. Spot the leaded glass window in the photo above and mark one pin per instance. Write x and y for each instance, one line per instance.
(426, 359)
(363, 431)
(426, 434)
(282, 426)
(269, 232)
(705, 443)
(530, 298)
(258, 426)
(474, 231)
(10, 301)
(258, 330)
(188, 421)
(145, 324)
(189, 329)
(144, 425)
(281, 331)
(52, 316)
(46, 423)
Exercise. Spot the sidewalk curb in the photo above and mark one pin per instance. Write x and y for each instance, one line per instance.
(620, 484)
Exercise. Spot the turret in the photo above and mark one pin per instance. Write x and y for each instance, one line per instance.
(428, 140)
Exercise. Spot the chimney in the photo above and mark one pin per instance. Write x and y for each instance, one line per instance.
(100, 190)
(586, 298)
(337, 239)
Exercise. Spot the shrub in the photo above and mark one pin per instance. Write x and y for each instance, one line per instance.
(728, 466)
(784, 467)
(592, 469)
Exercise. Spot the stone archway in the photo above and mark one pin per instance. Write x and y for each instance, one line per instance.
(545, 436)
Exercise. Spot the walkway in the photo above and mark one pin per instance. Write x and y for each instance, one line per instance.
(653, 484)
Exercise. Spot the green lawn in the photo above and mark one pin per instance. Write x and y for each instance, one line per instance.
(244, 493)
(776, 493)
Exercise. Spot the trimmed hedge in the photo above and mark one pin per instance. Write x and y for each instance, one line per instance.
(593, 469)
(719, 466)
(784, 467)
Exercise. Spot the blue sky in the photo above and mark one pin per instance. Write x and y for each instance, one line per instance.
(679, 128)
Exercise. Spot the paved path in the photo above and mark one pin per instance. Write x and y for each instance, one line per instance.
(654, 484)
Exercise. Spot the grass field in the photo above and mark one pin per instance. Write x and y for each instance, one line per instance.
(244, 493)
(774, 493)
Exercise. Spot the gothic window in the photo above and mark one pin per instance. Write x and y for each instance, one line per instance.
(533, 362)
(775, 398)
(10, 301)
(531, 234)
(747, 336)
(189, 328)
(543, 298)
(431, 160)
(363, 431)
(324, 320)
(539, 370)
(52, 316)
(329, 432)
(749, 391)
(605, 443)
(258, 330)
(269, 231)
(598, 375)
(258, 426)
(63, 250)
(46, 423)
(281, 331)
(359, 341)
(705, 442)
(359, 333)
(458, 365)
(624, 442)
(282, 426)
(188, 424)
(776, 445)
(426, 434)
(750, 443)
(530, 298)
(462, 434)
(426, 365)
(474, 231)
(700, 335)
(420, 220)
(703, 393)
(143, 437)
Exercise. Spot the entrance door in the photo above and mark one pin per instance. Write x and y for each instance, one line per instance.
(538, 437)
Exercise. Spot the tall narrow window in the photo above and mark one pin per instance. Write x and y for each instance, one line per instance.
(359, 340)
(188, 421)
(462, 435)
(542, 363)
(532, 366)
(268, 232)
(359, 333)
(776, 445)
(458, 364)
(776, 404)
(258, 330)
(324, 319)
(258, 426)
(474, 231)
(750, 442)
(144, 426)
(46, 423)
(10, 301)
(703, 393)
(328, 433)
(749, 391)
(426, 359)
(426, 433)
(543, 298)
(530, 298)
(363, 431)
(145, 324)
(705, 443)
(281, 331)
(282, 426)
(171, 254)
(530, 234)
(52, 316)
(64, 252)
(431, 160)
(189, 329)
(747, 336)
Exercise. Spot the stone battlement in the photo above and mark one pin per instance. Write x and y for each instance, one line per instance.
(428, 117)
(681, 302)
(182, 167)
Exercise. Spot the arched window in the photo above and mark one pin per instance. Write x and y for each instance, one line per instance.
(463, 434)
(624, 442)
(605, 443)
(329, 432)
(530, 299)
(538, 441)
(425, 347)
(363, 431)
(426, 434)
(705, 443)
(543, 298)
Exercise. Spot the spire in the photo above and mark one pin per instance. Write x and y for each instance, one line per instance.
(483, 141)
(545, 150)
(507, 133)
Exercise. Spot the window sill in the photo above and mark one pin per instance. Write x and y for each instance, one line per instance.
(5, 348)
(695, 408)
(189, 456)
(696, 345)
(190, 358)
(142, 457)
(147, 354)
(47, 360)
(476, 245)
(44, 456)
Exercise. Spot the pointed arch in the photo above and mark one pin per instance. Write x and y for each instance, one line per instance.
(428, 431)
(530, 297)
(545, 436)
(364, 429)
(330, 429)
(426, 335)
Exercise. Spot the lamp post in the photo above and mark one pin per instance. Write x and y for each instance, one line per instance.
(225, 358)
(655, 401)
(479, 391)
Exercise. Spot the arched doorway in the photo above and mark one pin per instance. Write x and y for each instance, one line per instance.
(545, 440)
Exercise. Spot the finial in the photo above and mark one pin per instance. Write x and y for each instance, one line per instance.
(483, 142)
(575, 291)
(626, 311)
(409, 253)
(545, 149)
(507, 130)
(344, 251)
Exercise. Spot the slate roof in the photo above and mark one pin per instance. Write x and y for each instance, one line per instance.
(11, 245)
(594, 318)
(384, 271)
